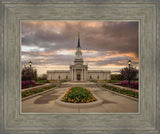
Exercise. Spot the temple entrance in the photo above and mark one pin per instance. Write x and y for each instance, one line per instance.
(78, 77)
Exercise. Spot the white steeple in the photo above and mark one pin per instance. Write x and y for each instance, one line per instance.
(78, 58)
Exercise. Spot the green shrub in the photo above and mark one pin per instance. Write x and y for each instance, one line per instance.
(116, 77)
(43, 81)
(113, 81)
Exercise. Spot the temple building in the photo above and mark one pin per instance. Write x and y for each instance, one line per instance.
(78, 71)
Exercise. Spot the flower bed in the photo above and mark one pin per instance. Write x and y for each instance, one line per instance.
(78, 95)
(122, 91)
(132, 84)
(35, 90)
(26, 84)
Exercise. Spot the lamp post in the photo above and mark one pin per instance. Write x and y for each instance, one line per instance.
(30, 64)
(129, 64)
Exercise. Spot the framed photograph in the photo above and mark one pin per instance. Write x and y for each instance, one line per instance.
(75, 74)
(80, 66)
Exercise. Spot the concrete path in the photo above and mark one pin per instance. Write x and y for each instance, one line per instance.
(112, 103)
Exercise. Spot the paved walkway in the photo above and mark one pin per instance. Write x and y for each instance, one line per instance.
(112, 103)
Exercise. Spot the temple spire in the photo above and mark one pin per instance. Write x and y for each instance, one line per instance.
(78, 39)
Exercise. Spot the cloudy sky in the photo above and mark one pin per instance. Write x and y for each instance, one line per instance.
(106, 45)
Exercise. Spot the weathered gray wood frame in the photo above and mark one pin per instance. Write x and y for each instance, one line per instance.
(146, 12)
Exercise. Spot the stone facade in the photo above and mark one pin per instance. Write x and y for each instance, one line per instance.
(58, 74)
(78, 71)
(99, 74)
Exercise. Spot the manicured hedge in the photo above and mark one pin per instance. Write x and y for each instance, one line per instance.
(43, 81)
(113, 81)
(122, 91)
(35, 90)
(78, 95)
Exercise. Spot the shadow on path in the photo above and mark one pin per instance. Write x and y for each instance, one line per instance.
(46, 98)
(107, 101)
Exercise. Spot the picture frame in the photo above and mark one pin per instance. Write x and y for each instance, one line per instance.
(146, 12)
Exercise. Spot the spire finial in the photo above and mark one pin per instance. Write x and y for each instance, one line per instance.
(78, 39)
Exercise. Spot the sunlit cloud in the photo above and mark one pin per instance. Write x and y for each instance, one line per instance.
(64, 52)
(113, 55)
(31, 48)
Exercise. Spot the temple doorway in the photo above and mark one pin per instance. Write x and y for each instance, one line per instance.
(78, 77)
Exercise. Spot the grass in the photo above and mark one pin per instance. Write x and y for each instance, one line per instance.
(43, 81)
(35, 90)
(78, 95)
(122, 91)
(113, 81)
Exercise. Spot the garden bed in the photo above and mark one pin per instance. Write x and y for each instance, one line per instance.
(35, 85)
(78, 95)
(28, 84)
(122, 91)
(36, 90)
(132, 84)
(134, 87)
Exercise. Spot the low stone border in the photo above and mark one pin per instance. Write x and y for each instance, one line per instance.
(31, 96)
(129, 97)
(79, 105)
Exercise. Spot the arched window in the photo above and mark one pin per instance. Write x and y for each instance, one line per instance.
(59, 77)
(66, 77)
(97, 77)
(90, 77)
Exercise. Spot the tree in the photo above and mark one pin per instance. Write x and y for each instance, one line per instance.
(126, 74)
(116, 77)
(42, 77)
(29, 73)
